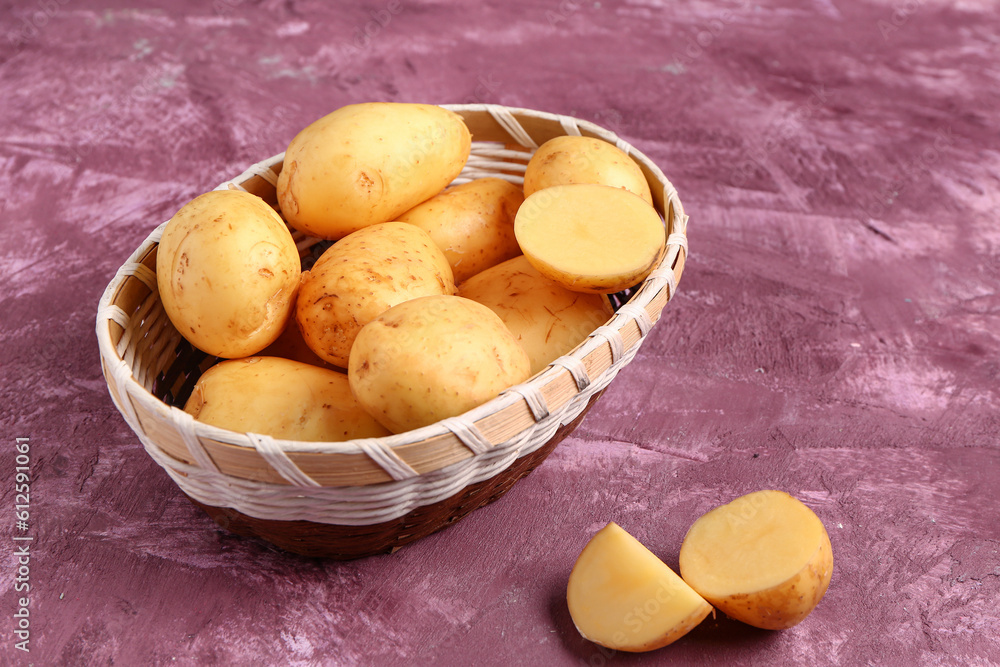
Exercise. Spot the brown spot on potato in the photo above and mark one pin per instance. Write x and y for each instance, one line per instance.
(365, 182)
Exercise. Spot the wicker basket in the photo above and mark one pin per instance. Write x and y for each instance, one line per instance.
(362, 497)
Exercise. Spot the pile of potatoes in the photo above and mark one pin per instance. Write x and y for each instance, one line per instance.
(432, 300)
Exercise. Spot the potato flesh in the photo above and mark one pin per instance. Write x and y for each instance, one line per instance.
(590, 238)
(764, 558)
(622, 596)
(545, 317)
(281, 398)
(570, 159)
(472, 223)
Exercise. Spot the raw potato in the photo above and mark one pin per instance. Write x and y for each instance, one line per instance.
(568, 159)
(765, 559)
(590, 238)
(622, 596)
(227, 270)
(367, 163)
(281, 398)
(291, 345)
(432, 358)
(362, 276)
(472, 223)
(547, 319)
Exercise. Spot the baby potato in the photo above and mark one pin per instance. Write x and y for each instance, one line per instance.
(764, 559)
(362, 276)
(281, 398)
(472, 223)
(227, 271)
(366, 163)
(569, 159)
(432, 358)
(547, 319)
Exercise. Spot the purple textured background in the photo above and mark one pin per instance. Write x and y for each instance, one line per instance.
(836, 335)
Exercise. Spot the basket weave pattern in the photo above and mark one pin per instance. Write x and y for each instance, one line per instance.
(366, 496)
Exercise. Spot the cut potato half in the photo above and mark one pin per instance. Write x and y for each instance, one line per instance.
(623, 597)
(764, 559)
(590, 238)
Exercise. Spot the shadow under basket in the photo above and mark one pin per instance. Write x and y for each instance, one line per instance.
(362, 497)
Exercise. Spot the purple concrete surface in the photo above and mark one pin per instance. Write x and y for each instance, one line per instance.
(836, 335)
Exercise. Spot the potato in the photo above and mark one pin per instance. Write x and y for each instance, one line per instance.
(547, 319)
(281, 398)
(623, 597)
(367, 163)
(432, 358)
(590, 238)
(363, 275)
(227, 271)
(291, 345)
(565, 160)
(764, 559)
(472, 223)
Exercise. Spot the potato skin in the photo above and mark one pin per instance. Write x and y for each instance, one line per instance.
(472, 223)
(366, 163)
(228, 271)
(362, 276)
(568, 159)
(281, 398)
(291, 345)
(545, 317)
(432, 358)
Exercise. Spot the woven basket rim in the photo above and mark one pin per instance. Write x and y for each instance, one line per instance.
(650, 290)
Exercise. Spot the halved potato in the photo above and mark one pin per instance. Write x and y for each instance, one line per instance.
(764, 559)
(590, 238)
(622, 596)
